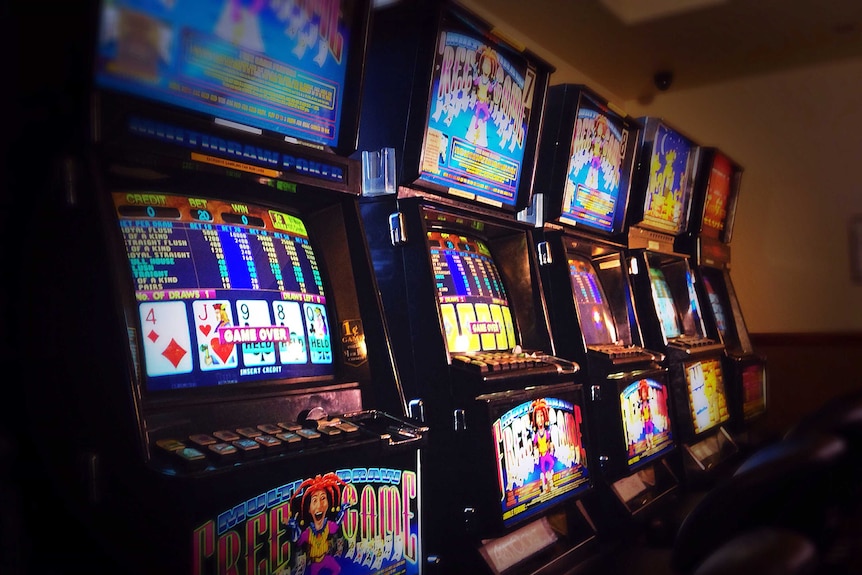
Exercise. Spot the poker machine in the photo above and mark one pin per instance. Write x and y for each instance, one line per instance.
(670, 309)
(707, 240)
(581, 193)
(228, 400)
(507, 482)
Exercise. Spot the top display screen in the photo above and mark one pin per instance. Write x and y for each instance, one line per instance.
(478, 123)
(669, 185)
(593, 195)
(277, 66)
(717, 205)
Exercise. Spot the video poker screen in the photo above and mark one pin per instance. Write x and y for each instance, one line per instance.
(593, 194)
(594, 312)
(477, 128)
(692, 318)
(706, 395)
(541, 456)
(226, 292)
(717, 306)
(669, 185)
(646, 420)
(472, 299)
(664, 304)
(277, 66)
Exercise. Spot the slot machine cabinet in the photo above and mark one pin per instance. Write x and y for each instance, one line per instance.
(667, 300)
(586, 162)
(458, 388)
(230, 366)
(461, 109)
(708, 240)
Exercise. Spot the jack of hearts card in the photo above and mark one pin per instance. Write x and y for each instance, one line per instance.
(213, 353)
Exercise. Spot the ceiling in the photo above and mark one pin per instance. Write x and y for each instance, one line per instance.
(708, 42)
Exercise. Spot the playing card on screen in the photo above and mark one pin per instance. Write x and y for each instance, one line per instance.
(317, 326)
(210, 315)
(289, 316)
(167, 341)
(255, 313)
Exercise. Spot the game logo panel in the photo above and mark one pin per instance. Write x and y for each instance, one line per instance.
(706, 395)
(667, 193)
(717, 197)
(478, 119)
(357, 521)
(279, 65)
(227, 292)
(592, 190)
(646, 420)
(540, 456)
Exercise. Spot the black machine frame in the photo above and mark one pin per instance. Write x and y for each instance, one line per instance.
(608, 368)
(138, 496)
(652, 247)
(451, 398)
(711, 254)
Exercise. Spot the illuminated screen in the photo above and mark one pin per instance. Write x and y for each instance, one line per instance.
(692, 318)
(706, 396)
(592, 191)
(478, 118)
(668, 187)
(594, 313)
(470, 292)
(279, 66)
(540, 455)
(664, 304)
(717, 197)
(753, 390)
(717, 307)
(646, 420)
(227, 292)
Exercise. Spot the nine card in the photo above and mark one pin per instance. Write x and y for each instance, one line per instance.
(255, 313)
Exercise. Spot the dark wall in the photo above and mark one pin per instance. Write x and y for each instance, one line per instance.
(804, 370)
